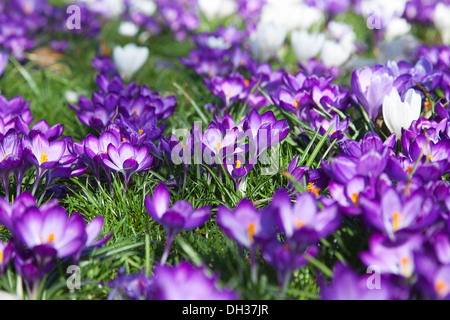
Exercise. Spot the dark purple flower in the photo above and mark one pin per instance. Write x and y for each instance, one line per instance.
(181, 216)
(185, 282)
(11, 154)
(133, 286)
(347, 285)
(6, 254)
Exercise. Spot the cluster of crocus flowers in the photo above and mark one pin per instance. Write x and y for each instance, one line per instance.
(114, 151)
(41, 147)
(24, 23)
(301, 225)
(42, 235)
(224, 143)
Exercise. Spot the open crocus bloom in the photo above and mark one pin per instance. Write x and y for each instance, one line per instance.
(398, 114)
(48, 231)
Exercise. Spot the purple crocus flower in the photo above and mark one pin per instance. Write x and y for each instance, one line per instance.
(6, 255)
(133, 286)
(128, 159)
(396, 215)
(3, 62)
(49, 232)
(186, 282)
(301, 225)
(216, 145)
(181, 216)
(303, 222)
(15, 107)
(371, 85)
(241, 224)
(10, 212)
(43, 154)
(392, 258)
(92, 150)
(264, 132)
(229, 89)
(11, 154)
(347, 285)
(295, 172)
(434, 278)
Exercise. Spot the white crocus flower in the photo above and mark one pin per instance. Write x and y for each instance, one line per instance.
(281, 13)
(107, 8)
(306, 45)
(267, 39)
(334, 54)
(147, 7)
(396, 28)
(398, 114)
(213, 9)
(128, 29)
(442, 21)
(129, 59)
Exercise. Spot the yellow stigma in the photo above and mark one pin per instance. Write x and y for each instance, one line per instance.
(299, 224)
(43, 157)
(219, 146)
(135, 111)
(185, 147)
(123, 139)
(296, 103)
(431, 158)
(51, 238)
(441, 288)
(251, 231)
(355, 199)
(1, 257)
(229, 93)
(311, 188)
(141, 131)
(395, 220)
(405, 270)
(238, 164)
(247, 83)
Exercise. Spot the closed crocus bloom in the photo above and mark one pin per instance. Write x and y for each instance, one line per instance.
(3, 62)
(267, 39)
(213, 9)
(306, 45)
(371, 85)
(442, 22)
(129, 59)
(334, 54)
(398, 114)
(128, 29)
